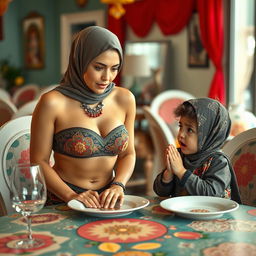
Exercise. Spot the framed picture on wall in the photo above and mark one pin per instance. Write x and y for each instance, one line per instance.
(81, 3)
(197, 55)
(72, 24)
(33, 41)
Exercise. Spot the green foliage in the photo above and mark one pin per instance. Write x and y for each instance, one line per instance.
(11, 74)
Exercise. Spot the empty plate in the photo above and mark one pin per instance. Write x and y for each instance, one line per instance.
(199, 207)
(131, 203)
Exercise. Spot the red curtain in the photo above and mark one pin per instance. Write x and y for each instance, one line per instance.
(172, 16)
(118, 27)
(212, 33)
(140, 16)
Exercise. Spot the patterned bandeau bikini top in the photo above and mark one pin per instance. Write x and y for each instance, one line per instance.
(84, 143)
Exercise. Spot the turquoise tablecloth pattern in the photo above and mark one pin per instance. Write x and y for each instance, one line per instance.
(151, 231)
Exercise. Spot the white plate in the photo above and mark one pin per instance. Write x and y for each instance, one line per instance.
(131, 203)
(199, 207)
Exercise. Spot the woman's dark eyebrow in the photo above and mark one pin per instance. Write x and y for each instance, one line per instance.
(102, 64)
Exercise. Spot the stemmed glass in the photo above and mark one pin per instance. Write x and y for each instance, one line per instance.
(28, 195)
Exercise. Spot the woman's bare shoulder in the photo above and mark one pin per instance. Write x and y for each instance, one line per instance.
(124, 95)
(52, 99)
(50, 105)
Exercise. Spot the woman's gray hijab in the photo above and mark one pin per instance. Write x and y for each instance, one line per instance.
(87, 45)
(213, 127)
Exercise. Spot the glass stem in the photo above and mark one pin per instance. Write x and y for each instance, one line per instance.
(29, 218)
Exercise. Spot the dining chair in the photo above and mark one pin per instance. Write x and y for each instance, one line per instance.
(26, 109)
(241, 150)
(25, 94)
(4, 94)
(14, 148)
(3, 210)
(7, 110)
(161, 136)
(165, 103)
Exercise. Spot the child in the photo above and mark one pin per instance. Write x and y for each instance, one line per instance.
(198, 167)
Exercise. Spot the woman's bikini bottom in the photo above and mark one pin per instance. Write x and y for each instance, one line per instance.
(52, 199)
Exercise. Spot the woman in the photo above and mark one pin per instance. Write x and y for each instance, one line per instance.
(89, 124)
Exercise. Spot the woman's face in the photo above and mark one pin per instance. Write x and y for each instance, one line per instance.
(102, 71)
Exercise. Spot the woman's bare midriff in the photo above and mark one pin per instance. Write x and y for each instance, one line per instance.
(82, 172)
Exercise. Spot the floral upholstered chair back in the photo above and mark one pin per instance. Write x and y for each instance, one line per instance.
(26, 109)
(242, 152)
(25, 94)
(14, 148)
(164, 104)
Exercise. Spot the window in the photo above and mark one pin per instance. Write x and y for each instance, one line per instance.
(242, 52)
(157, 52)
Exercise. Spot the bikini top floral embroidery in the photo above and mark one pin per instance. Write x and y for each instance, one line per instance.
(83, 143)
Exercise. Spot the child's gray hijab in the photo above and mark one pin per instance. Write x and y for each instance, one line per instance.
(87, 45)
(213, 127)
(213, 124)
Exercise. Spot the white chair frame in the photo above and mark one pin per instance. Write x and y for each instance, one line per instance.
(231, 146)
(9, 107)
(9, 132)
(26, 109)
(161, 136)
(166, 95)
(163, 97)
(26, 87)
(4, 94)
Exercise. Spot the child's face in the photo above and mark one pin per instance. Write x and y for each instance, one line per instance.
(187, 135)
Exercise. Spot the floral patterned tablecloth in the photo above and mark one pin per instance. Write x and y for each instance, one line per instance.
(151, 231)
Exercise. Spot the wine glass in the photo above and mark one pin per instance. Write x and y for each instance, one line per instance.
(28, 195)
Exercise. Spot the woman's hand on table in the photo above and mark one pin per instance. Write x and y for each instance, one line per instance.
(111, 196)
(108, 199)
(90, 198)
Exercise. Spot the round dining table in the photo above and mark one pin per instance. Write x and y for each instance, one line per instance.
(150, 231)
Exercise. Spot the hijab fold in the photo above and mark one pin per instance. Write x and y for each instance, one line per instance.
(87, 45)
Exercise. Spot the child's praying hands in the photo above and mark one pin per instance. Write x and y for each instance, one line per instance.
(174, 161)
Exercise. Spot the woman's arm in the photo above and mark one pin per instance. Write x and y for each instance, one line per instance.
(42, 130)
(126, 161)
